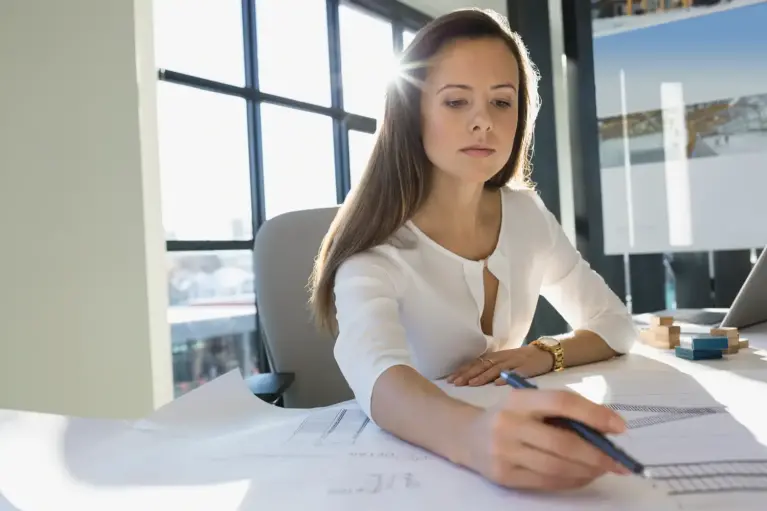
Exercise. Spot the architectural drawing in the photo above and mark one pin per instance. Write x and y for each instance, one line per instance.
(711, 476)
(663, 414)
(335, 426)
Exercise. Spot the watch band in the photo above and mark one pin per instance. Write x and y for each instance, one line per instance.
(555, 348)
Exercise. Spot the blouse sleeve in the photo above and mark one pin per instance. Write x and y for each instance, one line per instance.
(371, 337)
(579, 293)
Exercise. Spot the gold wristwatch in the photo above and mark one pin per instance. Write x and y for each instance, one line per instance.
(554, 347)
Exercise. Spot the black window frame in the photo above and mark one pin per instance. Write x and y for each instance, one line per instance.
(402, 18)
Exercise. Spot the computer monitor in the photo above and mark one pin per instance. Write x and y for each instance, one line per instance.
(749, 307)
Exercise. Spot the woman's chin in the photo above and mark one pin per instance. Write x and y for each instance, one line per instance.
(474, 175)
(478, 176)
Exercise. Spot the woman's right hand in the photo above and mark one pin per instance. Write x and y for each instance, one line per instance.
(512, 446)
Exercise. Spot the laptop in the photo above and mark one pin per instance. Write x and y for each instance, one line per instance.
(749, 307)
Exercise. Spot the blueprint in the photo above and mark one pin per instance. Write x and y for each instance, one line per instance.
(701, 436)
(642, 416)
(698, 478)
(219, 447)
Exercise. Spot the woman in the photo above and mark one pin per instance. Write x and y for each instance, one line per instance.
(434, 265)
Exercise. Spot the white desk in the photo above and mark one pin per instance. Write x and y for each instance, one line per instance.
(218, 468)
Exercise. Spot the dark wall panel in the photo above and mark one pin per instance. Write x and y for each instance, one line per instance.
(731, 267)
(530, 18)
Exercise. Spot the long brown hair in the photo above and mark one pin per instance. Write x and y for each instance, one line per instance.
(396, 180)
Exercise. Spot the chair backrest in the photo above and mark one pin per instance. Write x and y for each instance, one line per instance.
(285, 249)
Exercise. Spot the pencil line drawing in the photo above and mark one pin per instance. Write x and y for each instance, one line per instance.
(365, 422)
(664, 413)
(376, 483)
(328, 427)
(336, 421)
(710, 476)
(665, 409)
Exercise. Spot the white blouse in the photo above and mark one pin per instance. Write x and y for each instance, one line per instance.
(413, 302)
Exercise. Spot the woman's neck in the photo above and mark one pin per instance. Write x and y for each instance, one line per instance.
(455, 208)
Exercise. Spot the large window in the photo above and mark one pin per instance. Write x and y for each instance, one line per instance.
(201, 38)
(264, 107)
(204, 161)
(365, 39)
(360, 147)
(407, 38)
(683, 118)
(299, 168)
(288, 66)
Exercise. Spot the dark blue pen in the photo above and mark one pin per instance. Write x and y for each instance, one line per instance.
(588, 433)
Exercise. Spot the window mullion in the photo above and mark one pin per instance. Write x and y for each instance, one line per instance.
(340, 133)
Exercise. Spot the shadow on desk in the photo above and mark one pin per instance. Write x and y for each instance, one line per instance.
(5, 505)
(640, 386)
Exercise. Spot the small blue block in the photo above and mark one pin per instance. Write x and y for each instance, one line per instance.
(709, 343)
(689, 354)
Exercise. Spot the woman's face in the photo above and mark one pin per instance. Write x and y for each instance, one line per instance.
(469, 108)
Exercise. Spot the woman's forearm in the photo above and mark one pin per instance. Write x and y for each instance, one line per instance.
(414, 409)
(584, 347)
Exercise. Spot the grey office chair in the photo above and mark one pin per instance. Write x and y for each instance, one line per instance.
(284, 252)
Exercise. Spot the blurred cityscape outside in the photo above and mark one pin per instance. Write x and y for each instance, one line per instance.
(714, 128)
(196, 362)
(210, 279)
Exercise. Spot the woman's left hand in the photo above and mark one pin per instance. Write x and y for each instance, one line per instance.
(527, 361)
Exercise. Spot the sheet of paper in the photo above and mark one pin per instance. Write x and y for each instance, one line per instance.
(93, 463)
(5, 504)
(56, 462)
(219, 447)
(430, 484)
(697, 426)
(341, 460)
(221, 405)
(703, 442)
(329, 458)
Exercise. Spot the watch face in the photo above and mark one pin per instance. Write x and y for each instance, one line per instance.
(548, 341)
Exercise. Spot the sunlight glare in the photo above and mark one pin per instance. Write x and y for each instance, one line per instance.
(737, 392)
(593, 388)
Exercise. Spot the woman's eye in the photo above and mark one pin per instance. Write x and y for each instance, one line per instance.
(502, 103)
(455, 103)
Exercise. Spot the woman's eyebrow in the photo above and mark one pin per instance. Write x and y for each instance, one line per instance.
(507, 85)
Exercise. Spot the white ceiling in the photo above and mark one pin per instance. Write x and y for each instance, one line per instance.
(438, 7)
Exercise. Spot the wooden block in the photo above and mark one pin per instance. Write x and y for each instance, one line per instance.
(671, 337)
(663, 337)
(733, 338)
(672, 333)
(743, 344)
(733, 345)
(725, 332)
(669, 334)
(662, 321)
(649, 338)
(646, 335)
